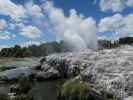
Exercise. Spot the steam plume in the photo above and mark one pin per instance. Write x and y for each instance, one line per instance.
(75, 29)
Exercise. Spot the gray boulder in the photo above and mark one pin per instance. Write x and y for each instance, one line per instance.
(58, 63)
(40, 63)
(14, 74)
(49, 74)
(45, 67)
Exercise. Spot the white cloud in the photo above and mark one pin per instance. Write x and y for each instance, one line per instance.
(33, 9)
(130, 3)
(111, 23)
(3, 24)
(103, 37)
(6, 35)
(9, 8)
(28, 43)
(17, 26)
(122, 25)
(12, 26)
(20, 16)
(18, 12)
(75, 29)
(31, 32)
(35, 13)
(4, 46)
(115, 5)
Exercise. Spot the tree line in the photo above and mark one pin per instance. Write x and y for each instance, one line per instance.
(108, 44)
(56, 47)
(35, 50)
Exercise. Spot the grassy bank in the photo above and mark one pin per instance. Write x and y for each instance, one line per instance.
(74, 89)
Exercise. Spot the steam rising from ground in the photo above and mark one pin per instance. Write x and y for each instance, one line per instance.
(76, 30)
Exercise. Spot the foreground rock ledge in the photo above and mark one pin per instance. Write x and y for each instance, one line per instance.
(110, 70)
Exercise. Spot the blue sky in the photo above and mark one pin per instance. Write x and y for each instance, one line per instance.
(28, 22)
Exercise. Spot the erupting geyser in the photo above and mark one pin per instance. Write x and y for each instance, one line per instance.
(76, 30)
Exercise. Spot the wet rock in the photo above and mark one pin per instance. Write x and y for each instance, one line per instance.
(4, 68)
(42, 60)
(39, 65)
(49, 74)
(14, 74)
(57, 63)
(45, 67)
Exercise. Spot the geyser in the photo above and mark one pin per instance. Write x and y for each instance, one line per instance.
(75, 29)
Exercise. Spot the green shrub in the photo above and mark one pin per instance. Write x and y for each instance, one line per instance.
(24, 85)
(4, 68)
(23, 88)
(74, 89)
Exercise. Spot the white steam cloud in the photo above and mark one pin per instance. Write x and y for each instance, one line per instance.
(78, 31)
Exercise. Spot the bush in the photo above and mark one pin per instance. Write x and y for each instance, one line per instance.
(4, 68)
(24, 85)
(22, 88)
(76, 90)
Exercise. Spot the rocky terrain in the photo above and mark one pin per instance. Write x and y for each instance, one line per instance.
(111, 70)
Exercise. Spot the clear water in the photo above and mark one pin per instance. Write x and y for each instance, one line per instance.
(47, 90)
(18, 62)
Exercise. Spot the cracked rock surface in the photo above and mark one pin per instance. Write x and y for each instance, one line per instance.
(110, 70)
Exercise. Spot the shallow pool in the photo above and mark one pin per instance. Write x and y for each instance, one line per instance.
(47, 90)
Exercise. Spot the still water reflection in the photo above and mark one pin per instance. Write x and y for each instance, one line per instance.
(47, 90)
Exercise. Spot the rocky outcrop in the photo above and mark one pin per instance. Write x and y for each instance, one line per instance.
(111, 70)
(47, 75)
(14, 74)
(52, 69)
